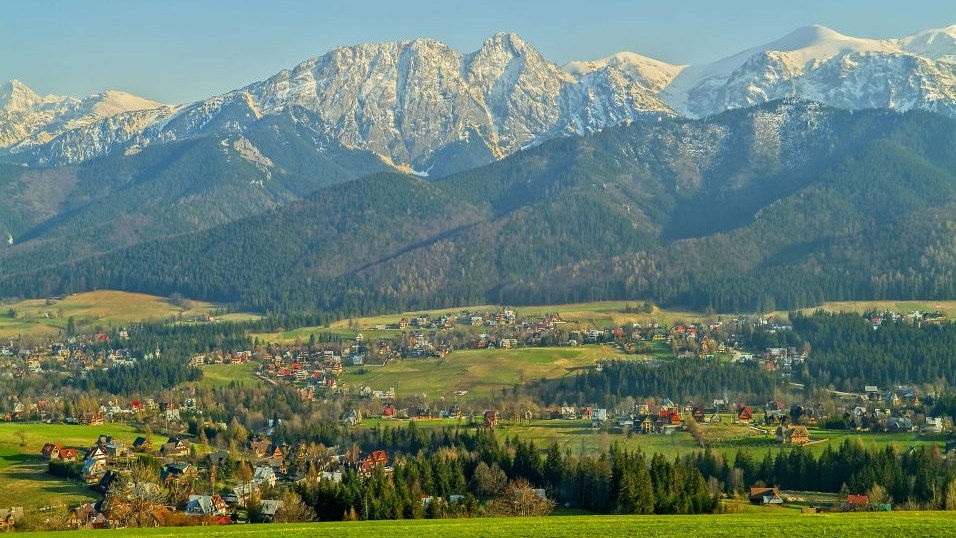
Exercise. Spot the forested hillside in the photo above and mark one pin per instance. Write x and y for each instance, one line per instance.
(778, 206)
(67, 213)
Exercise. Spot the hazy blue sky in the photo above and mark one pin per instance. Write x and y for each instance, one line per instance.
(183, 50)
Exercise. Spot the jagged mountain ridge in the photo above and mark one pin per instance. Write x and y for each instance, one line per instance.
(28, 119)
(406, 101)
(424, 107)
(817, 63)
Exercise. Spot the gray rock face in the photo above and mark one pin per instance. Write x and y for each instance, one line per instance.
(420, 104)
(404, 101)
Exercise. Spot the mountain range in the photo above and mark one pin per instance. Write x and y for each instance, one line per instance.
(405, 175)
(422, 106)
(781, 205)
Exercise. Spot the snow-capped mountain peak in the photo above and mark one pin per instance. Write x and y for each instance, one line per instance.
(652, 74)
(112, 102)
(818, 63)
(934, 44)
(28, 119)
(417, 104)
(422, 105)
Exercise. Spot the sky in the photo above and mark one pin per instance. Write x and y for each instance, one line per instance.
(178, 51)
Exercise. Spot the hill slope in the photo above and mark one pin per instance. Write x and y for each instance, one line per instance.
(778, 206)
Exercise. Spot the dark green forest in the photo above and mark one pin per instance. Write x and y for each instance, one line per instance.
(700, 214)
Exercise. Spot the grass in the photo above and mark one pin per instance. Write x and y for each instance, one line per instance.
(36, 434)
(777, 522)
(611, 314)
(23, 478)
(27, 484)
(594, 314)
(725, 437)
(947, 308)
(302, 334)
(480, 372)
(103, 308)
(221, 375)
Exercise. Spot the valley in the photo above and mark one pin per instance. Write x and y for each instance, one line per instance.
(449, 283)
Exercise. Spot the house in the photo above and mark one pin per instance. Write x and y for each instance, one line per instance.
(376, 458)
(598, 416)
(765, 496)
(490, 418)
(216, 459)
(647, 425)
(797, 435)
(933, 425)
(745, 414)
(669, 416)
(68, 454)
(51, 451)
(116, 449)
(92, 470)
(331, 476)
(241, 492)
(269, 508)
(142, 444)
(352, 417)
(177, 471)
(98, 453)
(857, 502)
(92, 419)
(175, 447)
(264, 474)
(83, 517)
(109, 478)
(206, 505)
(899, 424)
(259, 446)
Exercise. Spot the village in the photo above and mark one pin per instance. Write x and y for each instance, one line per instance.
(216, 482)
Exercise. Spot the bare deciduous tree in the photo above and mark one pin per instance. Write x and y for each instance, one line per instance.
(293, 509)
(134, 495)
(520, 500)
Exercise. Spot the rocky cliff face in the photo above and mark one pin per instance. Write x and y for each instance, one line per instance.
(28, 119)
(426, 108)
(405, 101)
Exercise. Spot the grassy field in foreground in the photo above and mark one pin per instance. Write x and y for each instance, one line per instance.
(97, 308)
(481, 372)
(767, 523)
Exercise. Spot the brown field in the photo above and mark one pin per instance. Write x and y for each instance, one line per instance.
(103, 309)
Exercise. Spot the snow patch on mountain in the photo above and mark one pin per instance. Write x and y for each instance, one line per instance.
(28, 119)
(420, 105)
(821, 64)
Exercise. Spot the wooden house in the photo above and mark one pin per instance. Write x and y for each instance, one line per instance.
(797, 435)
(765, 496)
(51, 451)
